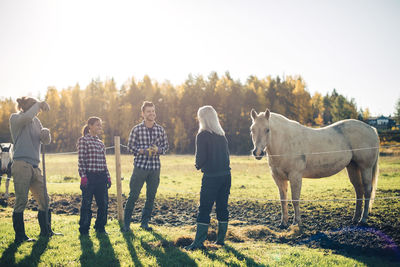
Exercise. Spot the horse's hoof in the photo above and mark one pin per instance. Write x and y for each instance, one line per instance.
(283, 226)
(362, 223)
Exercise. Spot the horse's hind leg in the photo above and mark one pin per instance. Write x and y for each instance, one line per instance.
(283, 187)
(355, 178)
(366, 175)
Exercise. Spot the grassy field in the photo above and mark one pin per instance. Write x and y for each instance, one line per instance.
(251, 182)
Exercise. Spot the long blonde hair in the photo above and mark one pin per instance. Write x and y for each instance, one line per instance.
(208, 120)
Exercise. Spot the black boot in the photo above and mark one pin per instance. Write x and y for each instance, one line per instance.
(84, 221)
(145, 225)
(19, 228)
(146, 214)
(45, 225)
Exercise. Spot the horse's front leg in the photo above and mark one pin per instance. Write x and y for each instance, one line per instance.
(295, 186)
(283, 187)
(6, 195)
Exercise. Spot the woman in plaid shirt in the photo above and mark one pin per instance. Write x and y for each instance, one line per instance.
(95, 178)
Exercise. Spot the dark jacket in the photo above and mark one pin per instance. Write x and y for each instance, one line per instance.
(212, 154)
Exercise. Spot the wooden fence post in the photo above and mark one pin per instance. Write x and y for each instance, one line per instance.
(118, 178)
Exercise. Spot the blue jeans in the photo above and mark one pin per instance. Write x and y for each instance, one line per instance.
(214, 190)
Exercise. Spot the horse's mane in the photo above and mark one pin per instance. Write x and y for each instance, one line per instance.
(282, 120)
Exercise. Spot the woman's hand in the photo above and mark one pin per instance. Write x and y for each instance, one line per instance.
(108, 183)
(84, 182)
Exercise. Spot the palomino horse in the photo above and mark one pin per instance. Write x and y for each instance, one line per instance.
(296, 151)
(6, 158)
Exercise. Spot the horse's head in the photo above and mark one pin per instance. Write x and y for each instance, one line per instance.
(6, 156)
(260, 132)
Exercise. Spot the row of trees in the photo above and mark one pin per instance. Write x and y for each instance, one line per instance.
(176, 108)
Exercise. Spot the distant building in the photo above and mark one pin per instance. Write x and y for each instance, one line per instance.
(382, 122)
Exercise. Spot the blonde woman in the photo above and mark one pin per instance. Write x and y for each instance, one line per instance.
(212, 158)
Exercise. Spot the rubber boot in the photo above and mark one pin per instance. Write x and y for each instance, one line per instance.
(222, 229)
(201, 236)
(19, 228)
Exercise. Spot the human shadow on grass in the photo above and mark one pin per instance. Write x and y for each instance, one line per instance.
(104, 257)
(249, 261)
(106, 251)
(88, 254)
(170, 256)
(8, 256)
(38, 249)
(128, 236)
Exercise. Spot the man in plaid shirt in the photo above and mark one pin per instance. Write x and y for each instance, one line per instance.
(147, 141)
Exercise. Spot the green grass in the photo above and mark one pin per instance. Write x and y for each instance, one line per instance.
(251, 181)
(150, 249)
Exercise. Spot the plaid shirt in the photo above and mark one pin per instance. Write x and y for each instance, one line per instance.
(140, 138)
(91, 155)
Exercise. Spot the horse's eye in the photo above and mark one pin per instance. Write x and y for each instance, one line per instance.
(267, 130)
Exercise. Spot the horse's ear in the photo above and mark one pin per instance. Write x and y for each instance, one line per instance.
(267, 114)
(253, 114)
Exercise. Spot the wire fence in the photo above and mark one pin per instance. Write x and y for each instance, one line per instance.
(261, 199)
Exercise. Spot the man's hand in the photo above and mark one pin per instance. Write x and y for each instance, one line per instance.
(45, 136)
(44, 106)
(155, 149)
(149, 152)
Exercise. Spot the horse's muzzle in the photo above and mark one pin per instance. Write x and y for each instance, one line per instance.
(262, 154)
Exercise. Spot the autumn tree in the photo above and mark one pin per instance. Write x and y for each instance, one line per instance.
(397, 111)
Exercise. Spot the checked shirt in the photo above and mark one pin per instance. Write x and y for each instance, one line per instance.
(91, 155)
(142, 138)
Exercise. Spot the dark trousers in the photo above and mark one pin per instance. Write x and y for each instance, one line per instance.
(97, 187)
(214, 190)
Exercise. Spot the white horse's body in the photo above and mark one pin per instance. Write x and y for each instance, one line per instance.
(6, 158)
(295, 151)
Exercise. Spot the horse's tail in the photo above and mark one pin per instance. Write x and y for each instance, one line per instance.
(375, 174)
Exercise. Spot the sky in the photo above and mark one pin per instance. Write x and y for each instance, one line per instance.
(351, 46)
